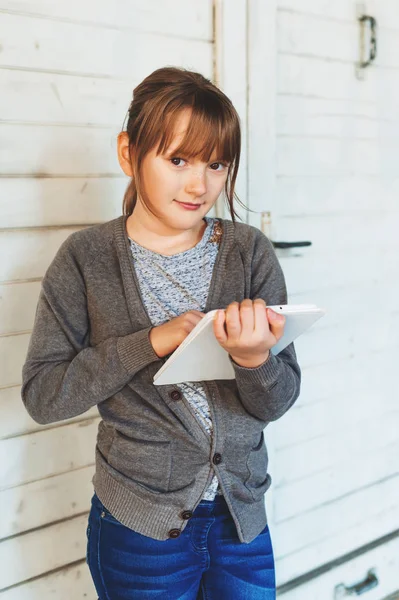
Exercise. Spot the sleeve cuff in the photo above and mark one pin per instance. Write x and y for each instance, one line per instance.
(135, 350)
(265, 375)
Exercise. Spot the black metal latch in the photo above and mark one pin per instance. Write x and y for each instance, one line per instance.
(373, 39)
(370, 582)
(291, 244)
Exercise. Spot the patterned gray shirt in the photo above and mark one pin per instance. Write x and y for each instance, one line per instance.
(173, 285)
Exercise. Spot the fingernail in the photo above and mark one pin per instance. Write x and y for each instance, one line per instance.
(277, 316)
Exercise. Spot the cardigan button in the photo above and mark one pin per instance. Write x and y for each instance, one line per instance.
(217, 458)
(174, 533)
(186, 514)
(175, 395)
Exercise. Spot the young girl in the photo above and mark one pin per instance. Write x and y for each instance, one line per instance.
(181, 470)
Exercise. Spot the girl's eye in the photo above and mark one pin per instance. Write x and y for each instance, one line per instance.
(223, 165)
(176, 158)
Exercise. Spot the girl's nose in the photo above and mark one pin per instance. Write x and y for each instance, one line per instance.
(196, 183)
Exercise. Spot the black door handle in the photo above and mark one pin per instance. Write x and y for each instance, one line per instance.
(290, 244)
(370, 582)
(373, 39)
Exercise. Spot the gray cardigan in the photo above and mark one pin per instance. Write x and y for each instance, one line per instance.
(90, 346)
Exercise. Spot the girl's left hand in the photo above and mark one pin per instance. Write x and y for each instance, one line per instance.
(251, 330)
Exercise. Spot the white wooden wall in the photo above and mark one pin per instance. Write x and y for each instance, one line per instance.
(67, 71)
(335, 464)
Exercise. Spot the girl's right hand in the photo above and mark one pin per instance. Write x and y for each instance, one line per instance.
(167, 337)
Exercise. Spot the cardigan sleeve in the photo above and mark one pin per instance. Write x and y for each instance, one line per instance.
(63, 376)
(269, 390)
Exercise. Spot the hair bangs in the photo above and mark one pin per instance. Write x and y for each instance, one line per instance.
(210, 133)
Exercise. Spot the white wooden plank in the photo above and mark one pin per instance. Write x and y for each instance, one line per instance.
(15, 420)
(328, 195)
(41, 44)
(327, 486)
(356, 510)
(53, 499)
(38, 202)
(314, 455)
(70, 582)
(323, 346)
(319, 346)
(42, 551)
(344, 303)
(318, 270)
(315, 421)
(329, 79)
(311, 36)
(377, 370)
(13, 351)
(27, 254)
(180, 18)
(58, 151)
(18, 306)
(63, 99)
(303, 116)
(384, 559)
(385, 11)
(328, 156)
(340, 9)
(32, 457)
(350, 232)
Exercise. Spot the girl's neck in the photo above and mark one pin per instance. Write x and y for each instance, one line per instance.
(151, 234)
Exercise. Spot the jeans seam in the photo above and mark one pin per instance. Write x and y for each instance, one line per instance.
(196, 548)
(98, 560)
(203, 590)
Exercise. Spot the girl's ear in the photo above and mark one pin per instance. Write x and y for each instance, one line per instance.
(123, 153)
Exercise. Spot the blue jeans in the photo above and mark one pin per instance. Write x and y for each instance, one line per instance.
(206, 562)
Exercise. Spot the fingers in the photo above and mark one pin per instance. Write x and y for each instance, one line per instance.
(196, 313)
(276, 323)
(233, 322)
(242, 322)
(218, 326)
(247, 320)
(261, 324)
(190, 319)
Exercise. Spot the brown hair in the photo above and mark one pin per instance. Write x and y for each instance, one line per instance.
(214, 124)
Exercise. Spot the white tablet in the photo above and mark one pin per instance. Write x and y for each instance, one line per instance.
(201, 358)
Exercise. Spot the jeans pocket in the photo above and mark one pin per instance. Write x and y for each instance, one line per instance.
(102, 512)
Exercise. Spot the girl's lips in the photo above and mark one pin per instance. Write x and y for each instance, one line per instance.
(188, 206)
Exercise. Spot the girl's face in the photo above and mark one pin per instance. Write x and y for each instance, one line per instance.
(171, 180)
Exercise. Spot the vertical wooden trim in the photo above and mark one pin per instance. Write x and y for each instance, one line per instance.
(262, 81)
(262, 85)
(230, 74)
